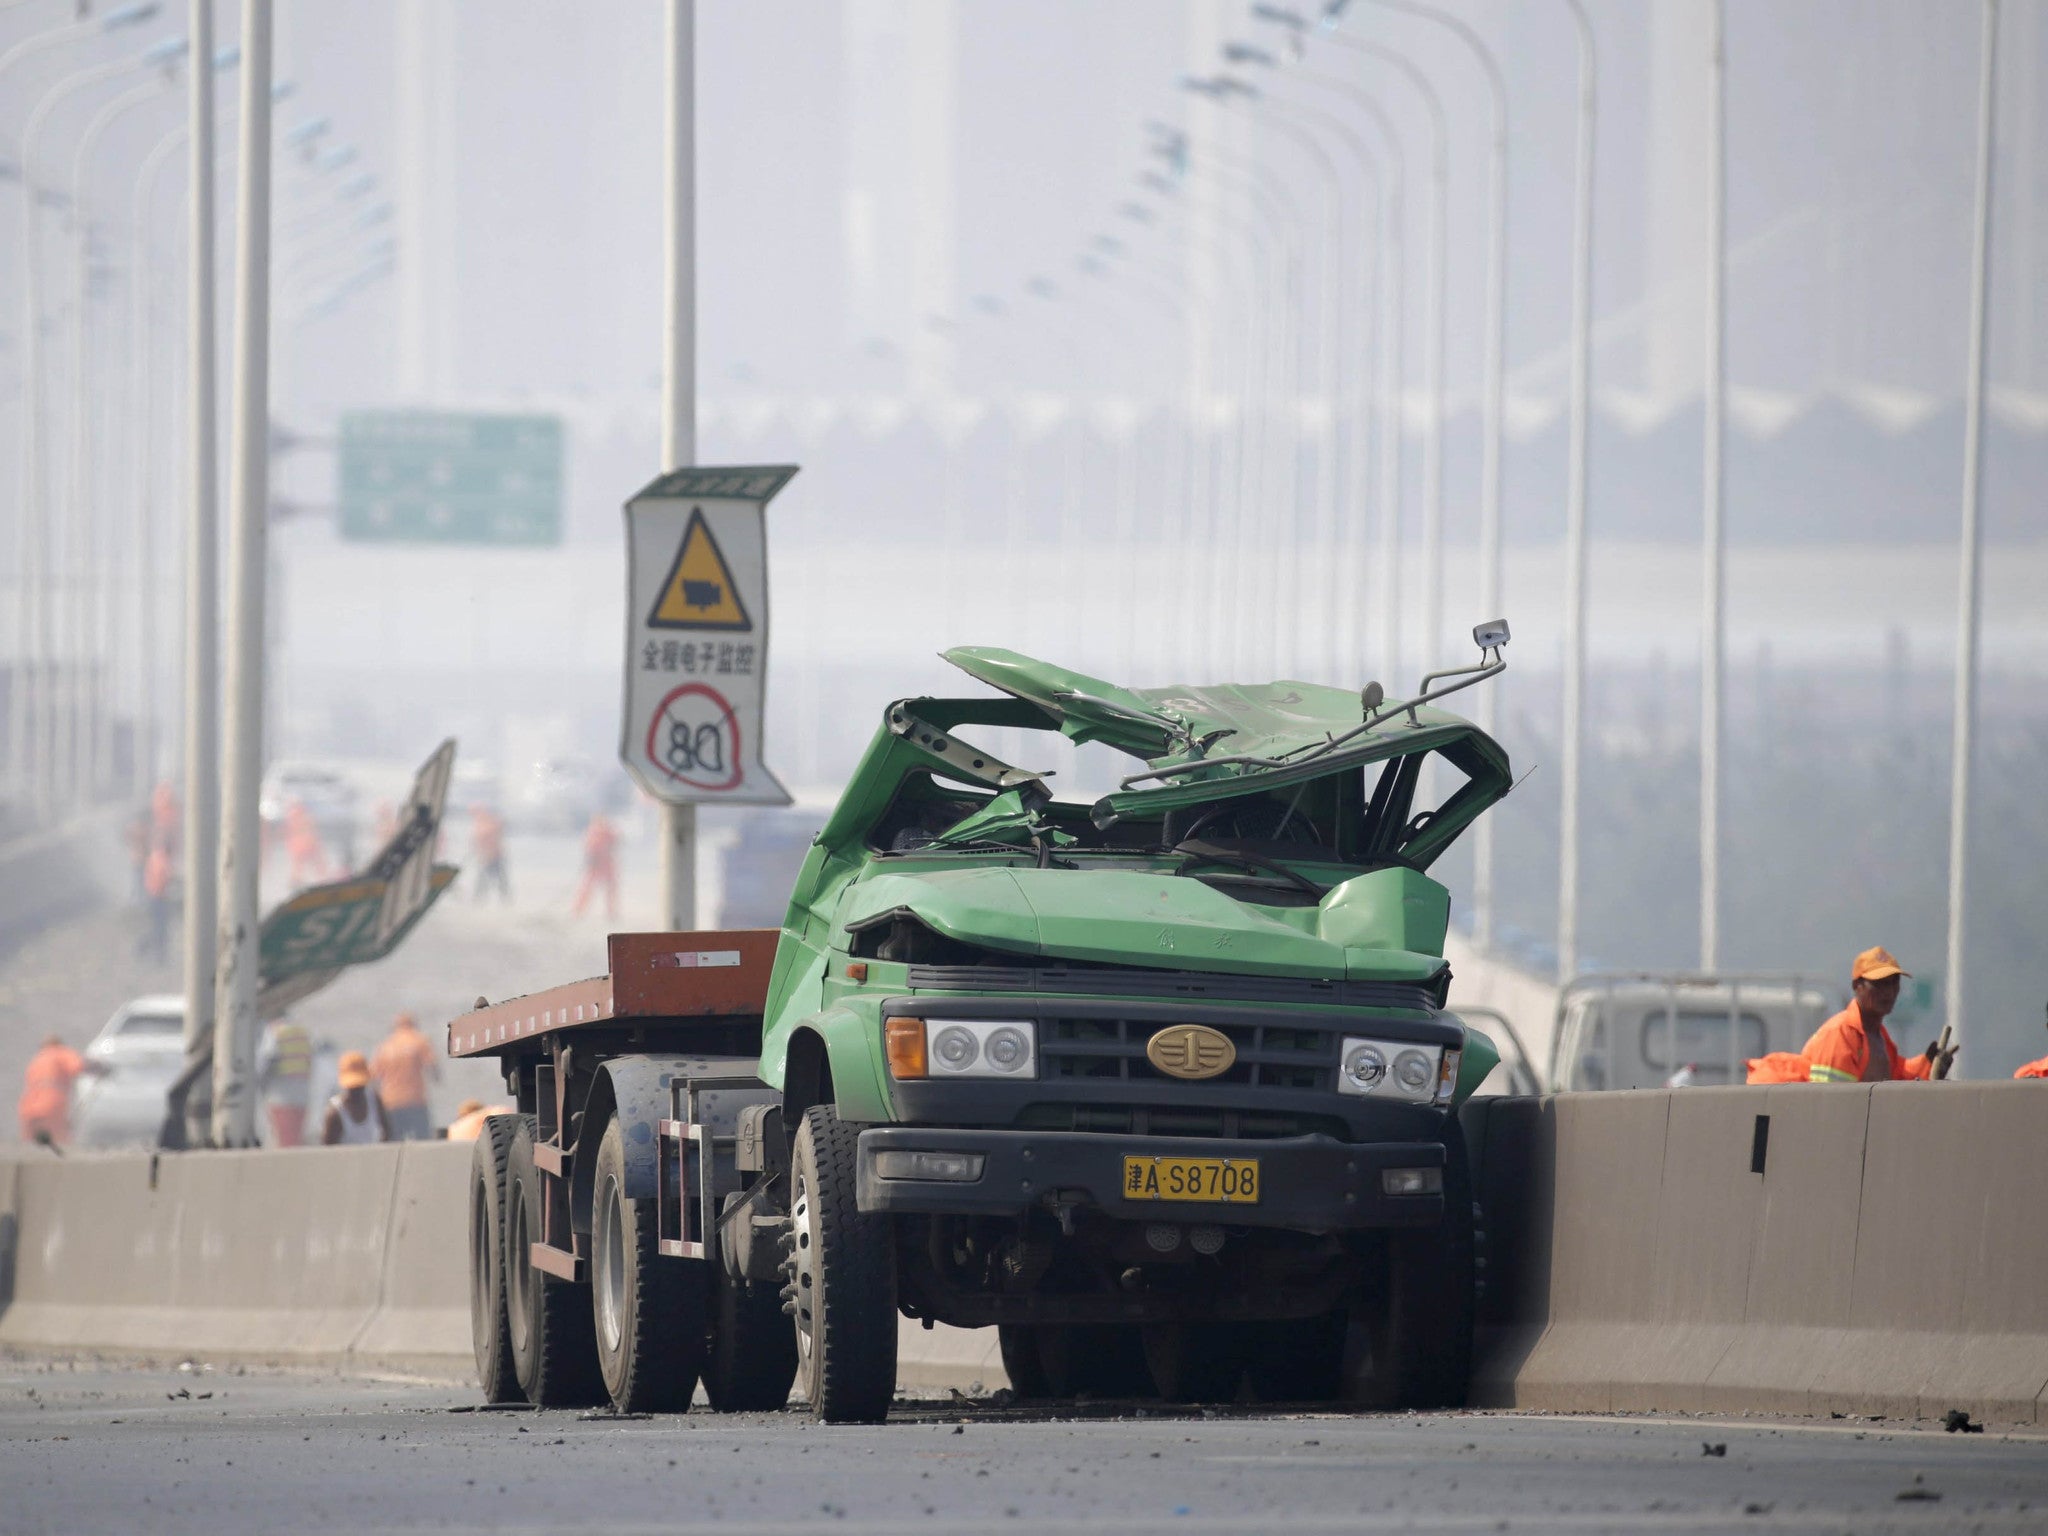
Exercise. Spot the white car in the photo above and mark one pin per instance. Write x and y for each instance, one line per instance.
(140, 1050)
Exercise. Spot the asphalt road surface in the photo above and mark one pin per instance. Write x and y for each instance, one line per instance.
(214, 1453)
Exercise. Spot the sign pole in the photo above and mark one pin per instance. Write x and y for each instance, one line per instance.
(679, 387)
(1970, 561)
(236, 1023)
(202, 582)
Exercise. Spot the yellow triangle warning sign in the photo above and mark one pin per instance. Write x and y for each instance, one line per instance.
(699, 592)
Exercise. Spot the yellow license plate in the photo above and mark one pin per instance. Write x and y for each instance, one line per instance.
(1208, 1180)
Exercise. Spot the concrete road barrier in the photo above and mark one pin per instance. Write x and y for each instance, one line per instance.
(1871, 1250)
(336, 1256)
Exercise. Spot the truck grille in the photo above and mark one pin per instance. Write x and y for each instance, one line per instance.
(1268, 1055)
(1179, 1120)
(1169, 986)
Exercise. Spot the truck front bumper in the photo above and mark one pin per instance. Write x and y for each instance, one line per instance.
(1305, 1183)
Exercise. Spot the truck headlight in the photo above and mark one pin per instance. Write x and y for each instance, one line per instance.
(1392, 1069)
(931, 1167)
(962, 1048)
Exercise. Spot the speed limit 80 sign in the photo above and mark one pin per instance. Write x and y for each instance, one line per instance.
(697, 635)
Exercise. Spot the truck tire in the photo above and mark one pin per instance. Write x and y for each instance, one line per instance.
(1418, 1324)
(1300, 1360)
(490, 1330)
(648, 1312)
(1059, 1360)
(1018, 1343)
(1196, 1362)
(554, 1349)
(841, 1274)
(752, 1358)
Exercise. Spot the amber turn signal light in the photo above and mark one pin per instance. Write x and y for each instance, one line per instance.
(857, 971)
(904, 1042)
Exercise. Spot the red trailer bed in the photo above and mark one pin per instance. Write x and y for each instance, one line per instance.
(716, 973)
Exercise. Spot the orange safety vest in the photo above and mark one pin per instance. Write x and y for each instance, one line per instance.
(1840, 1050)
(1780, 1067)
(470, 1126)
(46, 1084)
(156, 873)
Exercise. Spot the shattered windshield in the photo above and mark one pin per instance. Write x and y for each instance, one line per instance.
(1284, 788)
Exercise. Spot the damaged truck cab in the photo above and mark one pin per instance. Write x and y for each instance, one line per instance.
(1162, 1084)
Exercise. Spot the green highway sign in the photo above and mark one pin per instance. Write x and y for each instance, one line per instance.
(441, 477)
(327, 927)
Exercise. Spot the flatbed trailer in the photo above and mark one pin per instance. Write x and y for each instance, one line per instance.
(1164, 1088)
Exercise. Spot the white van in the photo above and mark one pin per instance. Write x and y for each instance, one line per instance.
(1653, 1030)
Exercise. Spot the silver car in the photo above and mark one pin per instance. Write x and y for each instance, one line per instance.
(139, 1052)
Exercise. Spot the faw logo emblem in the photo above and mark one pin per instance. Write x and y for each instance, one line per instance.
(1190, 1051)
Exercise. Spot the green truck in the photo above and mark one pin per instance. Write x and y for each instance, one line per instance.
(1161, 1084)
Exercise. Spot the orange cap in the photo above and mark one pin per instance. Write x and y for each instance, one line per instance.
(353, 1070)
(1875, 964)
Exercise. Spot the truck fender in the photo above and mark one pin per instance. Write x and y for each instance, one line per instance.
(636, 1089)
(841, 1046)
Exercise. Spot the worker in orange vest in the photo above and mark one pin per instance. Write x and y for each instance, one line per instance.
(401, 1066)
(1854, 1046)
(470, 1116)
(600, 866)
(164, 824)
(487, 846)
(45, 1105)
(302, 846)
(156, 898)
(2034, 1069)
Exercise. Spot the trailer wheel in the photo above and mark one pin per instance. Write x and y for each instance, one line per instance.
(1417, 1324)
(554, 1355)
(1195, 1362)
(752, 1359)
(842, 1279)
(490, 1329)
(648, 1311)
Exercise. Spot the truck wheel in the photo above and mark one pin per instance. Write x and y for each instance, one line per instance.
(648, 1311)
(490, 1331)
(1019, 1345)
(1300, 1360)
(1195, 1362)
(1418, 1327)
(842, 1279)
(1095, 1359)
(752, 1358)
(554, 1354)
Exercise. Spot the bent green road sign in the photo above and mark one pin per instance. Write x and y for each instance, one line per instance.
(328, 927)
(440, 477)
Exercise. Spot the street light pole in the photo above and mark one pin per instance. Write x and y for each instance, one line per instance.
(1492, 387)
(1971, 561)
(53, 787)
(236, 975)
(1575, 507)
(202, 581)
(679, 383)
(1713, 584)
(96, 604)
(26, 694)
